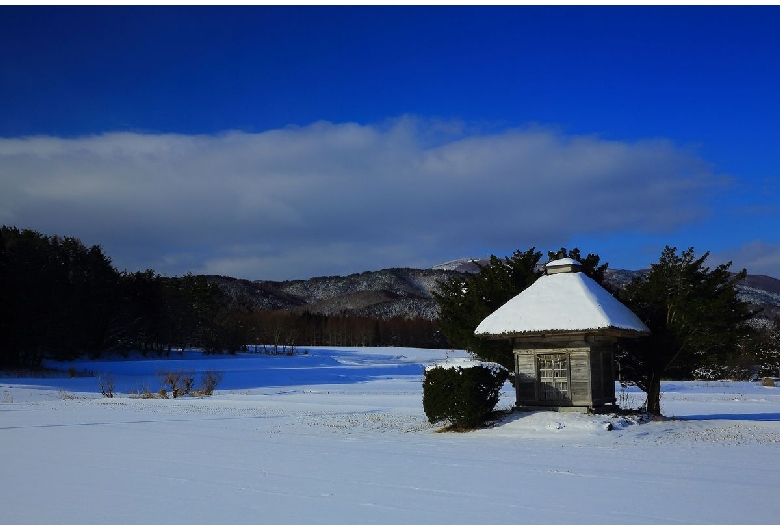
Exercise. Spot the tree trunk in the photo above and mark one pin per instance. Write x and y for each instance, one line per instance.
(654, 395)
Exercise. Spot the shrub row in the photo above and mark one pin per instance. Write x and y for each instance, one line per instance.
(173, 384)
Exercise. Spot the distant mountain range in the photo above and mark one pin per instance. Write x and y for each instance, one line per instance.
(385, 293)
(407, 292)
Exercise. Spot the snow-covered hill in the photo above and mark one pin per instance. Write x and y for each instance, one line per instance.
(407, 292)
(385, 293)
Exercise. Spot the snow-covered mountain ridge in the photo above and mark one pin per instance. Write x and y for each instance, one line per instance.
(384, 293)
(407, 292)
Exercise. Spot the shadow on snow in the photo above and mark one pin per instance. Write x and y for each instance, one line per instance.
(763, 416)
(242, 371)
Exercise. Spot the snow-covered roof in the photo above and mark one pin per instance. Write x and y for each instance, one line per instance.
(563, 302)
(562, 261)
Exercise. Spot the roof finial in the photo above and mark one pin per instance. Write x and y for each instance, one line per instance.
(563, 265)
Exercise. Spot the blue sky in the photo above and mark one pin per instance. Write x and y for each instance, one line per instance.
(291, 142)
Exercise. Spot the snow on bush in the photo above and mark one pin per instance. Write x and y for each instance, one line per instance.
(463, 392)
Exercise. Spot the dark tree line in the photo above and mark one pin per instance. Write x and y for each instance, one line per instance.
(312, 329)
(61, 299)
(57, 297)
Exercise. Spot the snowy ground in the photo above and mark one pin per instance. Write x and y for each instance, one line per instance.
(339, 436)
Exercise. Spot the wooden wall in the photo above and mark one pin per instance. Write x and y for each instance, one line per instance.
(525, 371)
(591, 375)
(579, 360)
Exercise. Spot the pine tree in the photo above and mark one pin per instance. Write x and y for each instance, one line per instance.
(694, 317)
(464, 302)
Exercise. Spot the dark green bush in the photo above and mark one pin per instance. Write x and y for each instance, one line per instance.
(464, 396)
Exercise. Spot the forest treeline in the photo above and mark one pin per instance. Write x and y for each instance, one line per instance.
(61, 299)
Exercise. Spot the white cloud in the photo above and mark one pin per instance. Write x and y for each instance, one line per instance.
(757, 256)
(339, 198)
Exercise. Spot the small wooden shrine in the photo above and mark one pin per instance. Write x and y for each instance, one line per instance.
(563, 330)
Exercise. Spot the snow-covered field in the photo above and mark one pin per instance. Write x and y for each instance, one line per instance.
(339, 436)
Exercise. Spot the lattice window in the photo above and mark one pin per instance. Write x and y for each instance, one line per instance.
(553, 374)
